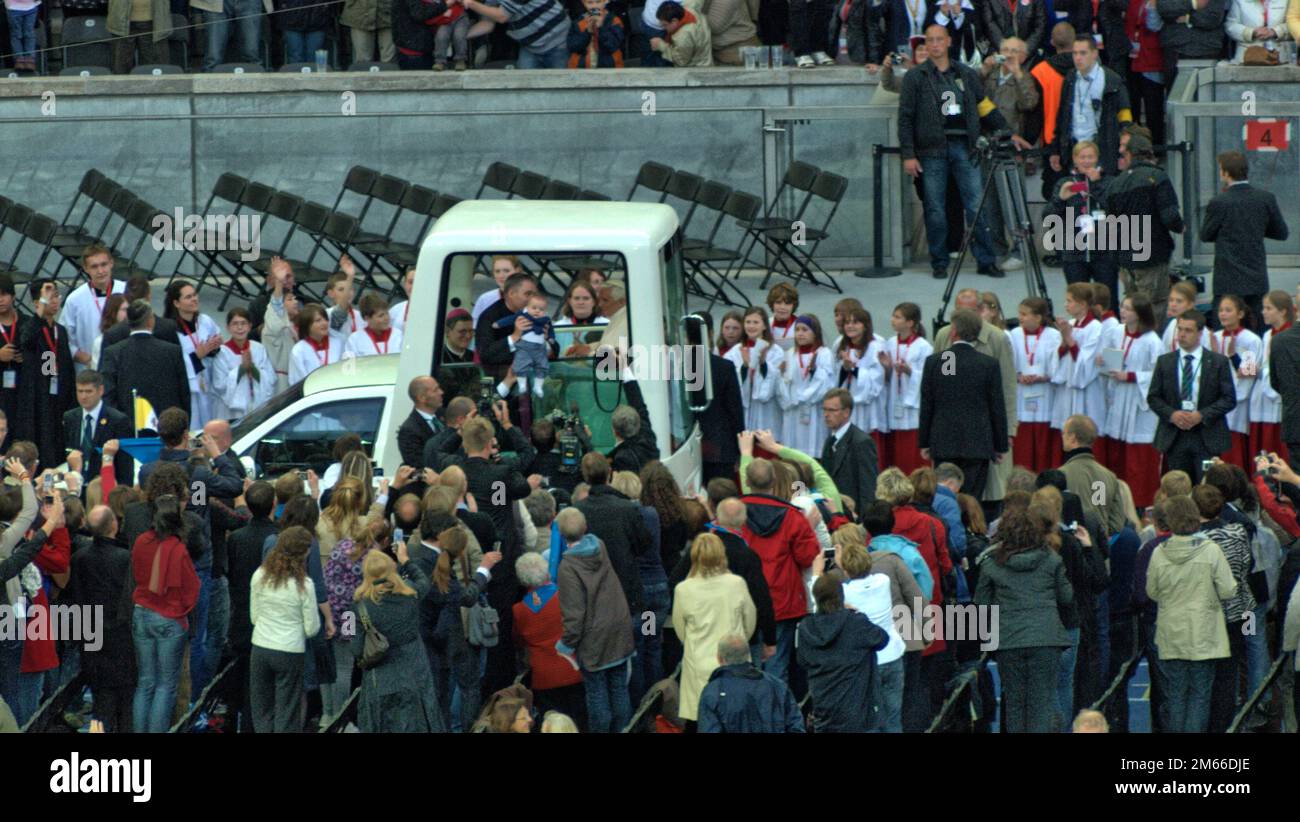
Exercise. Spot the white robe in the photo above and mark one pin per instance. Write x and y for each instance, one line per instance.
(83, 311)
(800, 391)
(1246, 343)
(905, 389)
(783, 337)
(758, 392)
(1170, 341)
(397, 315)
(234, 396)
(201, 389)
(565, 339)
(1129, 418)
(1078, 388)
(867, 386)
(303, 359)
(361, 345)
(1265, 403)
(1034, 402)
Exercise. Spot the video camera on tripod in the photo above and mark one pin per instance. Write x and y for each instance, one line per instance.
(567, 436)
(998, 148)
(487, 397)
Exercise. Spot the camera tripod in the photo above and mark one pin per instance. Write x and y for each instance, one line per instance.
(1006, 176)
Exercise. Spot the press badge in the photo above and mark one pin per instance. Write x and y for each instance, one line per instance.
(952, 109)
(1031, 405)
(1188, 405)
(54, 386)
(805, 416)
(1085, 223)
(11, 378)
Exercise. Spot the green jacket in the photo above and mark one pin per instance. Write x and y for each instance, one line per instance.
(119, 18)
(1098, 489)
(1188, 577)
(367, 15)
(822, 482)
(1028, 592)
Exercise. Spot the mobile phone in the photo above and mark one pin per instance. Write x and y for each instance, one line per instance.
(398, 535)
(378, 472)
(1079, 187)
(1206, 464)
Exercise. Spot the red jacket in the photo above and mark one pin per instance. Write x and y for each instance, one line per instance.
(538, 631)
(1281, 512)
(1150, 56)
(176, 590)
(781, 536)
(931, 540)
(40, 654)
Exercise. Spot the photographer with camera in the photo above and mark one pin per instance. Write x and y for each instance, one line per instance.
(1077, 202)
(1015, 92)
(941, 111)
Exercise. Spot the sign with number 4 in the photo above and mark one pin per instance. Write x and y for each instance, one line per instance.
(1267, 135)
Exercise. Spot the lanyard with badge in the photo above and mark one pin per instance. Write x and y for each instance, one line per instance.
(1189, 404)
(1034, 391)
(900, 356)
(53, 343)
(10, 369)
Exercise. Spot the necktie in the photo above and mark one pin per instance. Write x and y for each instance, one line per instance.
(1187, 376)
(87, 436)
(828, 450)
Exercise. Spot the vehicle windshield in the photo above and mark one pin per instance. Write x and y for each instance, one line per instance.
(264, 412)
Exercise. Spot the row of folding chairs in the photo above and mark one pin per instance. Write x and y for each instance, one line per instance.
(787, 236)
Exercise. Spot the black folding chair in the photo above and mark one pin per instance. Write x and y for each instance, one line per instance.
(39, 230)
(339, 231)
(594, 196)
(361, 183)
(404, 258)
(86, 46)
(220, 251)
(14, 219)
(528, 186)
(417, 201)
(498, 177)
(797, 182)
(683, 186)
(282, 206)
(309, 221)
(556, 190)
(653, 177)
(114, 200)
(390, 190)
(788, 242)
(119, 205)
(71, 233)
(713, 261)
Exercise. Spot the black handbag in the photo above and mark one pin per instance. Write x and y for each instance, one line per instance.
(374, 648)
(322, 651)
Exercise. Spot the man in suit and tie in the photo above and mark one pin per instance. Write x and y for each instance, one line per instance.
(1284, 376)
(963, 412)
(1192, 393)
(137, 288)
(89, 426)
(1237, 221)
(723, 420)
(849, 454)
(422, 423)
(155, 369)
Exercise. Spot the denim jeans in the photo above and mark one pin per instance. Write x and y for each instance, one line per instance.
(159, 651)
(553, 59)
(889, 697)
(218, 625)
(608, 707)
(455, 36)
(1187, 703)
(647, 665)
(1065, 679)
(301, 46)
(246, 15)
(652, 58)
(935, 172)
(22, 32)
(466, 698)
(779, 664)
(1257, 657)
(200, 668)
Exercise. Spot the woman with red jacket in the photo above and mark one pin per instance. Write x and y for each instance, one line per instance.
(1146, 81)
(167, 589)
(539, 624)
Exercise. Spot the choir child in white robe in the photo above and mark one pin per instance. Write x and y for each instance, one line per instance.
(1243, 348)
(758, 362)
(243, 376)
(859, 371)
(903, 361)
(1078, 388)
(399, 313)
(378, 337)
(783, 299)
(1182, 297)
(316, 347)
(199, 338)
(1035, 346)
(807, 373)
(1130, 424)
(1265, 403)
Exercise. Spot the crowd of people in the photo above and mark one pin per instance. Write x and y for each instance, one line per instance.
(1141, 41)
(1085, 474)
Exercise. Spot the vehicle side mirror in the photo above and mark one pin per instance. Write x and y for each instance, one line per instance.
(697, 372)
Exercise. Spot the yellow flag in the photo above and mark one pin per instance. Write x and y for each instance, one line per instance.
(144, 415)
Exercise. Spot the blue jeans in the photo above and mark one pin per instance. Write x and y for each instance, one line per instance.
(1065, 679)
(1187, 704)
(554, 59)
(647, 665)
(608, 707)
(159, 653)
(301, 46)
(889, 697)
(934, 178)
(22, 32)
(652, 58)
(247, 17)
(465, 696)
(200, 667)
(218, 626)
(1257, 658)
(11, 660)
(779, 664)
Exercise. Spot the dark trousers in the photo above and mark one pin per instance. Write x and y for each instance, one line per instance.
(141, 36)
(1254, 302)
(570, 700)
(275, 690)
(976, 473)
(113, 708)
(1147, 98)
(1223, 695)
(1102, 268)
(1187, 702)
(810, 26)
(1186, 454)
(1294, 454)
(1159, 683)
(725, 470)
(916, 705)
(1028, 689)
(773, 22)
(936, 670)
(1123, 643)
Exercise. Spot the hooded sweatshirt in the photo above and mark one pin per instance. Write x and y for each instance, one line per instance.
(837, 652)
(911, 555)
(1188, 578)
(594, 609)
(781, 536)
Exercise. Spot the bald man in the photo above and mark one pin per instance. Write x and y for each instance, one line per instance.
(994, 342)
(98, 577)
(422, 423)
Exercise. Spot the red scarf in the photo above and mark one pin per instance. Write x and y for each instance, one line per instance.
(1108, 315)
(807, 349)
(749, 343)
(235, 349)
(1087, 318)
(686, 21)
(318, 347)
(378, 337)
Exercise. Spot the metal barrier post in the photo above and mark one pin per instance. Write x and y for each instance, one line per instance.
(878, 269)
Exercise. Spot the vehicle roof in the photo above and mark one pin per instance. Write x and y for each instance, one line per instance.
(546, 225)
(353, 373)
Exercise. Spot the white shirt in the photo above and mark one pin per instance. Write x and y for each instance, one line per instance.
(397, 315)
(483, 303)
(839, 433)
(283, 617)
(361, 344)
(1196, 371)
(94, 422)
(83, 311)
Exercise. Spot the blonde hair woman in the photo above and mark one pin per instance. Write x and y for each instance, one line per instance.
(397, 695)
(708, 605)
(345, 526)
